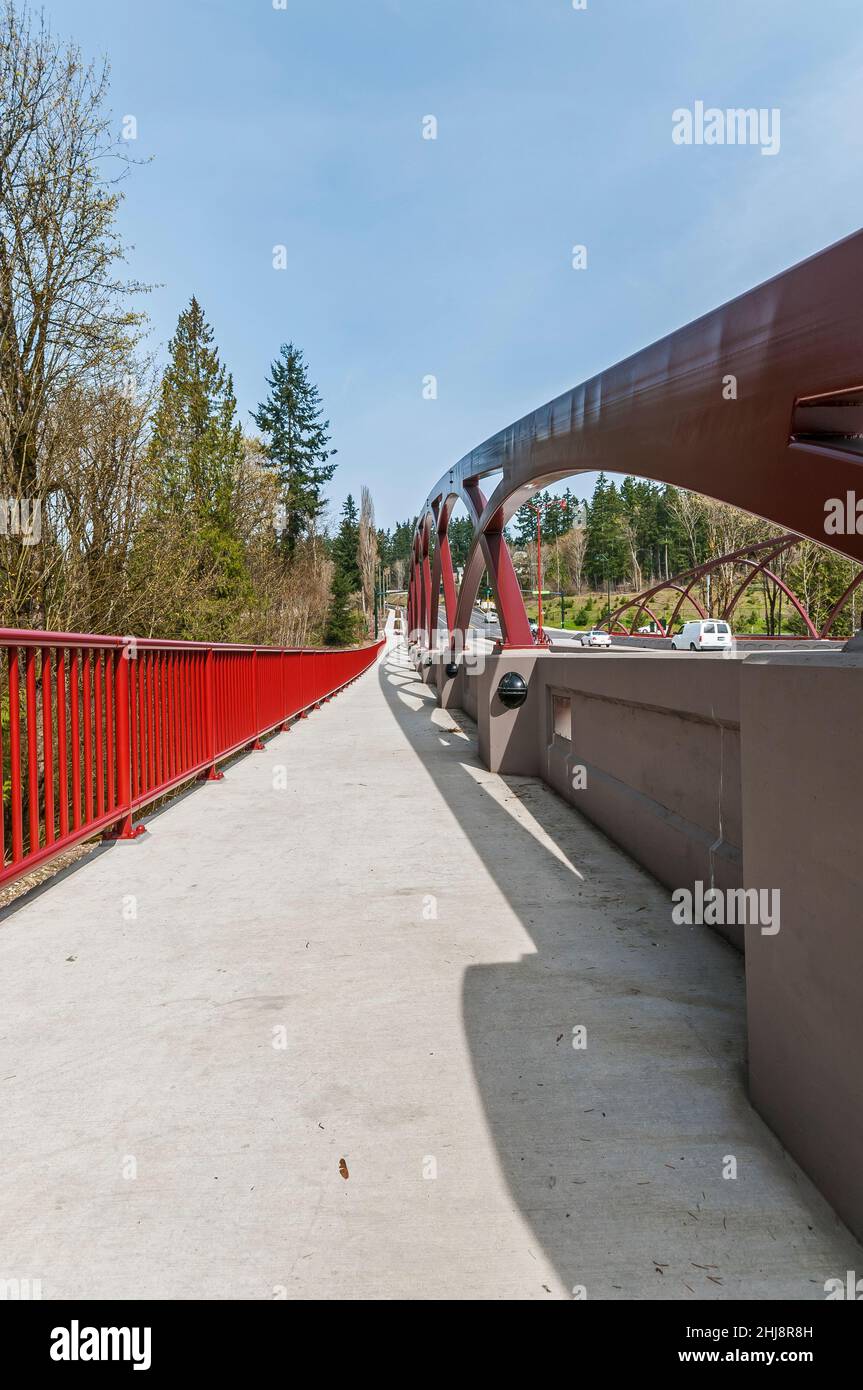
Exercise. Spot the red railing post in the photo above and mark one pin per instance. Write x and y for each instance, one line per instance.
(123, 830)
(284, 690)
(213, 775)
(256, 744)
(303, 683)
(15, 757)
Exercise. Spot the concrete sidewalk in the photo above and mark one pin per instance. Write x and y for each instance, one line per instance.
(362, 946)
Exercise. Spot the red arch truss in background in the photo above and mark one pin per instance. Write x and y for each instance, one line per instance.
(757, 557)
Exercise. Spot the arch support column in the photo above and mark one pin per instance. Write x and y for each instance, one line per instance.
(508, 597)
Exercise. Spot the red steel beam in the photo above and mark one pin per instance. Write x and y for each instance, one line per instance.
(781, 448)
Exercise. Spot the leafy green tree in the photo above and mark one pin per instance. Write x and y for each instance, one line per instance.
(298, 442)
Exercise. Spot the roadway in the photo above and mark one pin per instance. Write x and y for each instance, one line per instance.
(311, 1037)
(566, 636)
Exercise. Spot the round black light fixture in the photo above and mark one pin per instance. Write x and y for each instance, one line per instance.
(512, 690)
(452, 669)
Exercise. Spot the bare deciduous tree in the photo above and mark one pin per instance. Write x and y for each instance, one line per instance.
(629, 532)
(573, 547)
(62, 306)
(368, 552)
(77, 406)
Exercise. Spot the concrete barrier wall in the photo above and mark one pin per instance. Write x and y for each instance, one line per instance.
(652, 756)
(736, 772)
(802, 794)
(468, 696)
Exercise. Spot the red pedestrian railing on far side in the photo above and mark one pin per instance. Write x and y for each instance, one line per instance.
(93, 728)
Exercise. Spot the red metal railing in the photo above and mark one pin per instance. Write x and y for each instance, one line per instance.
(94, 728)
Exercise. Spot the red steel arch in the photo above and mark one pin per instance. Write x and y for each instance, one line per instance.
(757, 556)
(840, 604)
(757, 404)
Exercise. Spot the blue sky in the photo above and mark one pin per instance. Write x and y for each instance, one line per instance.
(452, 257)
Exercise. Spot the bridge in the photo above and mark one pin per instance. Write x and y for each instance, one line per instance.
(377, 985)
(360, 951)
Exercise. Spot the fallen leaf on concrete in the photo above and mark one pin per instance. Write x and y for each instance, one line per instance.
(343, 1169)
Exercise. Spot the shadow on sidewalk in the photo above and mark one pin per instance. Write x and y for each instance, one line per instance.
(614, 1151)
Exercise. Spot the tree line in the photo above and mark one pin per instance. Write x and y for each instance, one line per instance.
(633, 533)
(132, 499)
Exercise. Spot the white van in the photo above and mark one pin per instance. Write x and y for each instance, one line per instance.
(704, 635)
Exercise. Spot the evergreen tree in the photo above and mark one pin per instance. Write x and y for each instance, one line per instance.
(604, 555)
(460, 534)
(524, 524)
(573, 512)
(195, 453)
(345, 548)
(402, 541)
(197, 445)
(555, 521)
(298, 440)
(341, 628)
(559, 515)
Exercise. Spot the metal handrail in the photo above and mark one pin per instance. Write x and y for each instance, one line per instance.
(95, 727)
